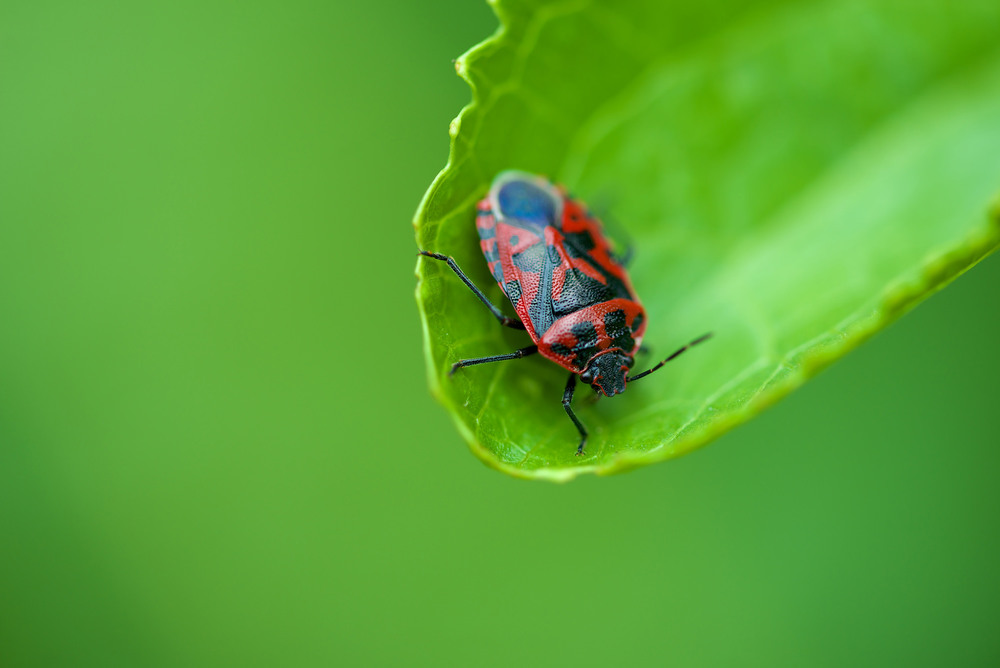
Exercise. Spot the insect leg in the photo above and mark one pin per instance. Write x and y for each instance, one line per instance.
(674, 354)
(516, 355)
(567, 399)
(513, 323)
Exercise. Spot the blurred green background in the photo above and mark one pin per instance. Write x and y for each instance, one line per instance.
(216, 442)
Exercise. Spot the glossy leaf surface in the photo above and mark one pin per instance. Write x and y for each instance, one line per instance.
(793, 176)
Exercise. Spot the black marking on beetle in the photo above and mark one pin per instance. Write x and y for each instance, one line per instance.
(619, 333)
(615, 286)
(513, 290)
(614, 323)
(491, 253)
(581, 241)
(637, 322)
(586, 344)
(513, 240)
(561, 350)
(487, 232)
(578, 292)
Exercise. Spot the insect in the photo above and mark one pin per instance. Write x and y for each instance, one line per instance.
(571, 292)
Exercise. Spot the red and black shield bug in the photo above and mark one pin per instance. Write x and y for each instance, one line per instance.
(570, 291)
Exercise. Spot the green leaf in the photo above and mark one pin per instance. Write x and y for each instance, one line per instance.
(794, 176)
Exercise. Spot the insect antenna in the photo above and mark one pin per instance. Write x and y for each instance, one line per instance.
(703, 337)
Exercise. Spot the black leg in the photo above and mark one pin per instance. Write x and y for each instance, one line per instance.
(674, 354)
(513, 323)
(516, 355)
(567, 399)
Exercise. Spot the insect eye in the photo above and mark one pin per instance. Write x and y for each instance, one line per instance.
(629, 362)
(587, 376)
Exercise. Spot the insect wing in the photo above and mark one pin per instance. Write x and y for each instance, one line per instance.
(528, 210)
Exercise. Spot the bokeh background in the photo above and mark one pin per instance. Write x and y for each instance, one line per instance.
(216, 441)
